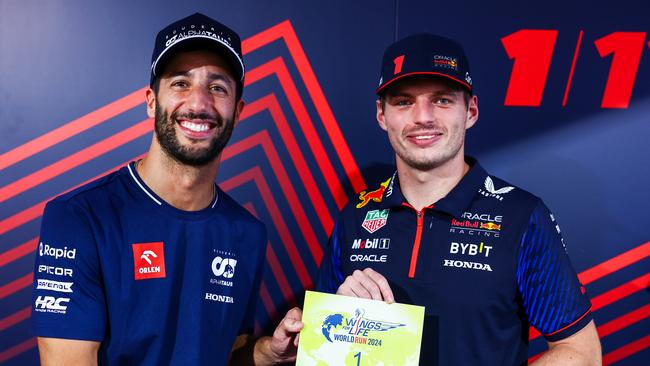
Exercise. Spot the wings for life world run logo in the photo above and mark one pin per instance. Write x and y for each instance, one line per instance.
(355, 329)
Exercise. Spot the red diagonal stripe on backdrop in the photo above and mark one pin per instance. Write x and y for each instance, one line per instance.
(268, 302)
(627, 350)
(626, 289)
(255, 175)
(270, 103)
(76, 159)
(614, 264)
(17, 349)
(263, 139)
(18, 251)
(624, 321)
(287, 33)
(279, 68)
(274, 263)
(72, 128)
(15, 318)
(16, 285)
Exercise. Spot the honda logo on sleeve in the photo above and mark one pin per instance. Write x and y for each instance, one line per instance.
(148, 260)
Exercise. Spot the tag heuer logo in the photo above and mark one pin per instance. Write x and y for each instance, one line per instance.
(375, 220)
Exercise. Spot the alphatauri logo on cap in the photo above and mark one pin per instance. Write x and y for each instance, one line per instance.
(148, 260)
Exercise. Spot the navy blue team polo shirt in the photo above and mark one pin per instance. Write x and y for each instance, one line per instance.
(154, 284)
(487, 261)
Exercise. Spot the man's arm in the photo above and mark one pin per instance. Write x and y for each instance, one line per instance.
(57, 351)
(579, 349)
(282, 347)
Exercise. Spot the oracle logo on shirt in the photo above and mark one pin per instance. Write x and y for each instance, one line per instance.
(148, 260)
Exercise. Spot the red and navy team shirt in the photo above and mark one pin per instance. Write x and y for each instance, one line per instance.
(154, 284)
(487, 261)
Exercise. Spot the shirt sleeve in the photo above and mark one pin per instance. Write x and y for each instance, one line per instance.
(248, 322)
(68, 297)
(330, 275)
(552, 295)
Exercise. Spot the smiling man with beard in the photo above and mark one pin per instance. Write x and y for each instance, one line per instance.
(161, 267)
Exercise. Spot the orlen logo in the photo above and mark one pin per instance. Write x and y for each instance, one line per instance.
(46, 250)
(223, 267)
(148, 260)
(51, 304)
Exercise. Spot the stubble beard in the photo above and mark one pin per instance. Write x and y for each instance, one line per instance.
(166, 135)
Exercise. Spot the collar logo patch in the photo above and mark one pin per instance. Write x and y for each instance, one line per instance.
(375, 195)
(148, 260)
(490, 191)
(375, 220)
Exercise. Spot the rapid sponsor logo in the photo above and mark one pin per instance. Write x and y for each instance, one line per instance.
(375, 220)
(369, 258)
(48, 251)
(491, 191)
(219, 298)
(376, 243)
(356, 328)
(375, 195)
(54, 286)
(57, 271)
(148, 260)
(50, 304)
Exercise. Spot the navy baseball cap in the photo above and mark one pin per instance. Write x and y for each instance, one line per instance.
(424, 54)
(197, 31)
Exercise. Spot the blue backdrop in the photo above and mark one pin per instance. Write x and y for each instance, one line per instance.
(564, 96)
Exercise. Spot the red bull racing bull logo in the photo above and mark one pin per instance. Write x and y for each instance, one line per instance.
(490, 226)
(375, 195)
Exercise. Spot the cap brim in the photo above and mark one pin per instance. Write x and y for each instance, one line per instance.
(424, 73)
(233, 58)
